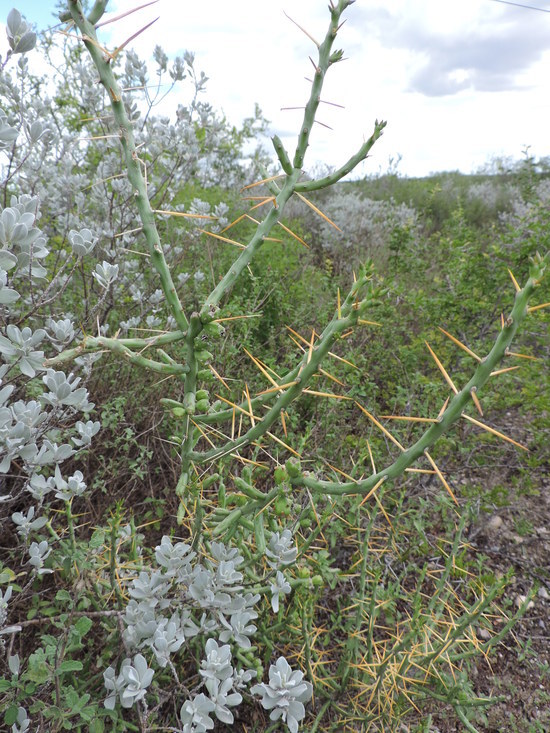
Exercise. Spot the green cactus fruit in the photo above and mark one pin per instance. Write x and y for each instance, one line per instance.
(215, 330)
(178, 412)
(202, 394)
(205, 375)
(280, 507)
(203, 356)
(202, 406)
(280, 475)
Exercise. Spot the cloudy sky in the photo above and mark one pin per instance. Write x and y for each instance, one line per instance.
(458, 81)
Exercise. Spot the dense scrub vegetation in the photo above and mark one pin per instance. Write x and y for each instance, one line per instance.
(167, 563)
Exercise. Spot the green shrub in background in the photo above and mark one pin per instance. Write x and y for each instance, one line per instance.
(194, 552)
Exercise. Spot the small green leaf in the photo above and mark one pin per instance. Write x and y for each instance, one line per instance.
(97, 539)
(5, 685)
(10, 716)
(6, 576)
(37, 669)
(71, 698)
(96, 726)
(83, 625)
(69, 665)
(63, 595)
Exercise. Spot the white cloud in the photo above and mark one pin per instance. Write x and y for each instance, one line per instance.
(426, 66)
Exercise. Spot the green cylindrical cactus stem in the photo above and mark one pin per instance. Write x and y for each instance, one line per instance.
(251, 491)
(182, 483)
(282, 154)
(348, 666)
(293, 582)
(222, 496)
(95, 15)
(166, 358)
(321, 67)
(464, 720)
(189, 403)
(101, 343)
(190, 388)
(134, 553)
(197, 524)
(246, 256)
(451, 415)
(231, 520)
(309, 365)
(320, 715)
(180, 515)
(347, 168)
(135, 175)
(113, 538)
(259, 533)
(207, 482)
(498, 637)
(89, 344)
(215, 418)
(468, 618)
(170, 404)
(436, 606)
(271, 185)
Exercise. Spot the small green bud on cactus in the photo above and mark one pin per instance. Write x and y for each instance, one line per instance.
(336, 56)
(281, 507)
(293, 468)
